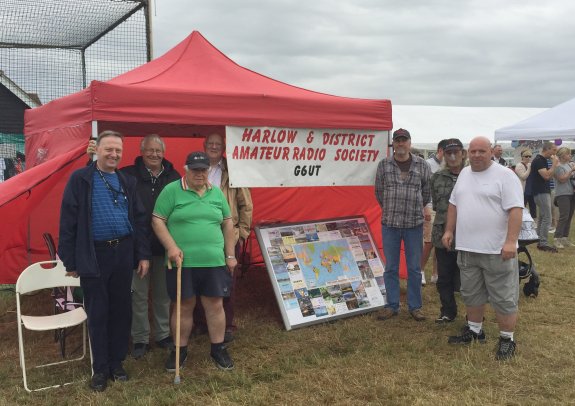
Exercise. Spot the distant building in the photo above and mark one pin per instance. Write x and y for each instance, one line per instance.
(13, 102)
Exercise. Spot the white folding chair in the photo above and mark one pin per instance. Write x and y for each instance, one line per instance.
(36, 277)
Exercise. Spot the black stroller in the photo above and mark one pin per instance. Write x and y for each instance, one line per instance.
(527, 270)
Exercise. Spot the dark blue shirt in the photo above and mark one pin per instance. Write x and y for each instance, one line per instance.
(109, 208)
(538, 183)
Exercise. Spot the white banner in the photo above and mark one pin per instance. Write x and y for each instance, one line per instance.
(276, 157)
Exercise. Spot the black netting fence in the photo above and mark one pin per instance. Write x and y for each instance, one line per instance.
(52, 48)
(56, 47)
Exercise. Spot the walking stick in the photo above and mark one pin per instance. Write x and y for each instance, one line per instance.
(178, 310)
(178, 315)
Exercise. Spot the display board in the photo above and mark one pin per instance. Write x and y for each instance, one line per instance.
(323, 269)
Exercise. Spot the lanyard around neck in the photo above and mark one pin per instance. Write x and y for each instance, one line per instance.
(115, 192)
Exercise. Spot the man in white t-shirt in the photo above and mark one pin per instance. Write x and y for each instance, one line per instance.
(485, 213)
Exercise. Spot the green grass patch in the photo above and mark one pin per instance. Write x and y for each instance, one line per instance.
(358, 360)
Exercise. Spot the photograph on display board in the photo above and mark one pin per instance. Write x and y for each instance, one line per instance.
(323, 269)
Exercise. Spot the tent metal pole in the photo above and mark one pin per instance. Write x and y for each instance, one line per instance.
(149, 38)
(83, 53)
(94, 136)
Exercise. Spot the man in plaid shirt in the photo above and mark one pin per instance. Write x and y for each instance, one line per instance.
(402, 190)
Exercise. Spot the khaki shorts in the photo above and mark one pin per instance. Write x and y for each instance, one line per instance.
(427, 226)
(487, 278)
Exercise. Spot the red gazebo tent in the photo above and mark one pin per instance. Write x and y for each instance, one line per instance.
(191, 91)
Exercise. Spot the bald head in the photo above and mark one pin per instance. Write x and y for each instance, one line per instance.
(482, 141)
(480, 154)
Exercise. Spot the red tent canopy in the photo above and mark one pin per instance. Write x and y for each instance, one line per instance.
(193, 86)
(192, 91)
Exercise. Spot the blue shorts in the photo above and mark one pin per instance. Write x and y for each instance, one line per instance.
(211, 282)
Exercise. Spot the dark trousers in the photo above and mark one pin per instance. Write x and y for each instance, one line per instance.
(108, 303)
(566, 206)
(448, 280)
(528, 200)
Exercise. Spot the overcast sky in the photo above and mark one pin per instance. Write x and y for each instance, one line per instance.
(498, 53)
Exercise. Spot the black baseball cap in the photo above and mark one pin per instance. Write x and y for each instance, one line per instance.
(401, 133)
(198, 160)
(452, 143)
(442, 144)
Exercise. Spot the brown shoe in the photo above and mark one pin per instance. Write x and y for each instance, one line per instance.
(417, 315)
(386, 313)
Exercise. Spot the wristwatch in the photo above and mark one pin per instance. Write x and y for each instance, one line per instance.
(230, 257)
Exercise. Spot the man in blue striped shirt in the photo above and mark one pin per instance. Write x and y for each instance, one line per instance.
(103, 237)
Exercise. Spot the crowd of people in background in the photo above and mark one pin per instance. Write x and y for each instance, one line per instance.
(548, 181)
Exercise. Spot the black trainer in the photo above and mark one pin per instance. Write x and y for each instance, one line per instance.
(139, 350)
(99, 382)
(228, 337)
(506, 349)
(467, 336)
(547, 248)
(167, 342)
(119, 374)
(443, 319)
(171, 361)
(222, 358)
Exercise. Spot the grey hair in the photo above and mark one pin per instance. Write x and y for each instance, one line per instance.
(152, 137)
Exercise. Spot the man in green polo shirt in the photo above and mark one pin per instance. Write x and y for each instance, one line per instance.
(192, 221)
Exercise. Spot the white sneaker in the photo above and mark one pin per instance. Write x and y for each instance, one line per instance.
(566, 242)
(433, 278)
(558, 244)
(552, 230)
(423, 278)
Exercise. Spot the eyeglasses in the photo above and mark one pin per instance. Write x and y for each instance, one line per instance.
(151, 151)
(526, 156)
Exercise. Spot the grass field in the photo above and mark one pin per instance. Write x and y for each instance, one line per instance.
(358, 360)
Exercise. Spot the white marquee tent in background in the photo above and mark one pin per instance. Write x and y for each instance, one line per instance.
(430, 124)
(555, 123)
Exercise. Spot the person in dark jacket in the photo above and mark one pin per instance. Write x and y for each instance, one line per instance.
(152, 172)
(103, 237)
(442, 183)
(496, 155)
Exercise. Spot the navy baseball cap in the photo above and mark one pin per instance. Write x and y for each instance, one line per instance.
(198, 160)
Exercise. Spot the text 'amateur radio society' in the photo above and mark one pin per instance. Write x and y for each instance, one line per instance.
(319, 153)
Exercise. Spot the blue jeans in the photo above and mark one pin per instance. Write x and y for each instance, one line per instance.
(413, 245)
